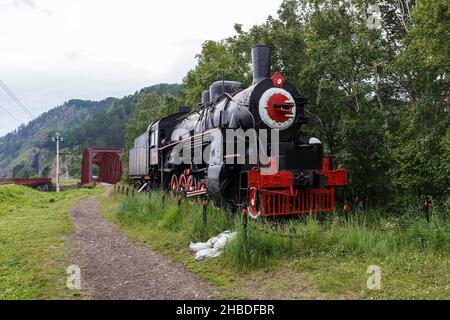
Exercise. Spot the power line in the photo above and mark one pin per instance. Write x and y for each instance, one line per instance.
(16, 100)
(4, 97)
(6, 110)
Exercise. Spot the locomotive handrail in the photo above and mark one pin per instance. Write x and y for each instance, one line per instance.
(188, 138)
(242, 105)
(201, 107)
(320, 123)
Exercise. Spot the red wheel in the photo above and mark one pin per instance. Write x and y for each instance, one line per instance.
(346, 209)
(174, 183)
(191, 183)
(254, 204)
(201, 186)
(182, 183)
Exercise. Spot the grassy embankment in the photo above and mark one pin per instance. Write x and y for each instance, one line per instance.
(34, 227)
(317, 260)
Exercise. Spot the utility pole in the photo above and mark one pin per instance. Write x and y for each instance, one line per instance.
(58, 139)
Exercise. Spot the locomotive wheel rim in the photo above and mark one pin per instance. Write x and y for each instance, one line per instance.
(194, 186)
(191, 183)
(174, 183)
(254, 205)
(182, 183)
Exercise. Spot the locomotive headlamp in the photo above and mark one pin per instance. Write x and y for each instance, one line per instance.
(277, 108)
(314, 140)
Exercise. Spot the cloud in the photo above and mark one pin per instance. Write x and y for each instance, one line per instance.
(95, 49)
(73, 55)
(27, 3)
(30, 4)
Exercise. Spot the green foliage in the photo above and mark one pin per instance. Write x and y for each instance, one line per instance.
(161, 212)
(214, 63)
(421, 146)
(170, 104)
(142, 117)
(149, 108)
(364, 152)
(365, 235)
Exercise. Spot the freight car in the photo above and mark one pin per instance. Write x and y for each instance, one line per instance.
(295, 179)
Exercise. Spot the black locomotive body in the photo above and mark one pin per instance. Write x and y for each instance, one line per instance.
(208, 151)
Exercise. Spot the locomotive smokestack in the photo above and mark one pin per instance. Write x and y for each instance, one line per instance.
(261, 63)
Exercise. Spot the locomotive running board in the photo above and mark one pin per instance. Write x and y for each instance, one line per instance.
(196, 193)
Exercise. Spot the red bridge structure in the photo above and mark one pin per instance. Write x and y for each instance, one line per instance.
(41, 184)
(109, 162)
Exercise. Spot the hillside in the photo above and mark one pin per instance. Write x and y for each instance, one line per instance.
(29, 151)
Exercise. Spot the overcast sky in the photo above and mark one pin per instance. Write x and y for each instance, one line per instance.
(55, 50)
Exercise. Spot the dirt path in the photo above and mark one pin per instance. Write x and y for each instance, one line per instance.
(114, 267)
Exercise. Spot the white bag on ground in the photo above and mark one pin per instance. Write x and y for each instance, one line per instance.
(213, 247)
(208, 253)
(199, 246)
(211, 241)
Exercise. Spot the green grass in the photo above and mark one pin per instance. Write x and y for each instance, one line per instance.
(312, 259)
(162, 213)
(34, 227)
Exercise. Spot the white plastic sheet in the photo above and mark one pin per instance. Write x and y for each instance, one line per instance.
(213, 247)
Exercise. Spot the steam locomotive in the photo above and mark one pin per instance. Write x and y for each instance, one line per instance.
(294, 180)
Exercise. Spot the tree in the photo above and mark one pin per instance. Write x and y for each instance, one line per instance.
(421, 146)
(214, 63)
(145, 113)
(170, 104)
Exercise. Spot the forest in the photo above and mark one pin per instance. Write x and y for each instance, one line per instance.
(375, 72)
(30, 152)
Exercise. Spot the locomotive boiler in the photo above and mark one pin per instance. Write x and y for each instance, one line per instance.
(210, 151)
